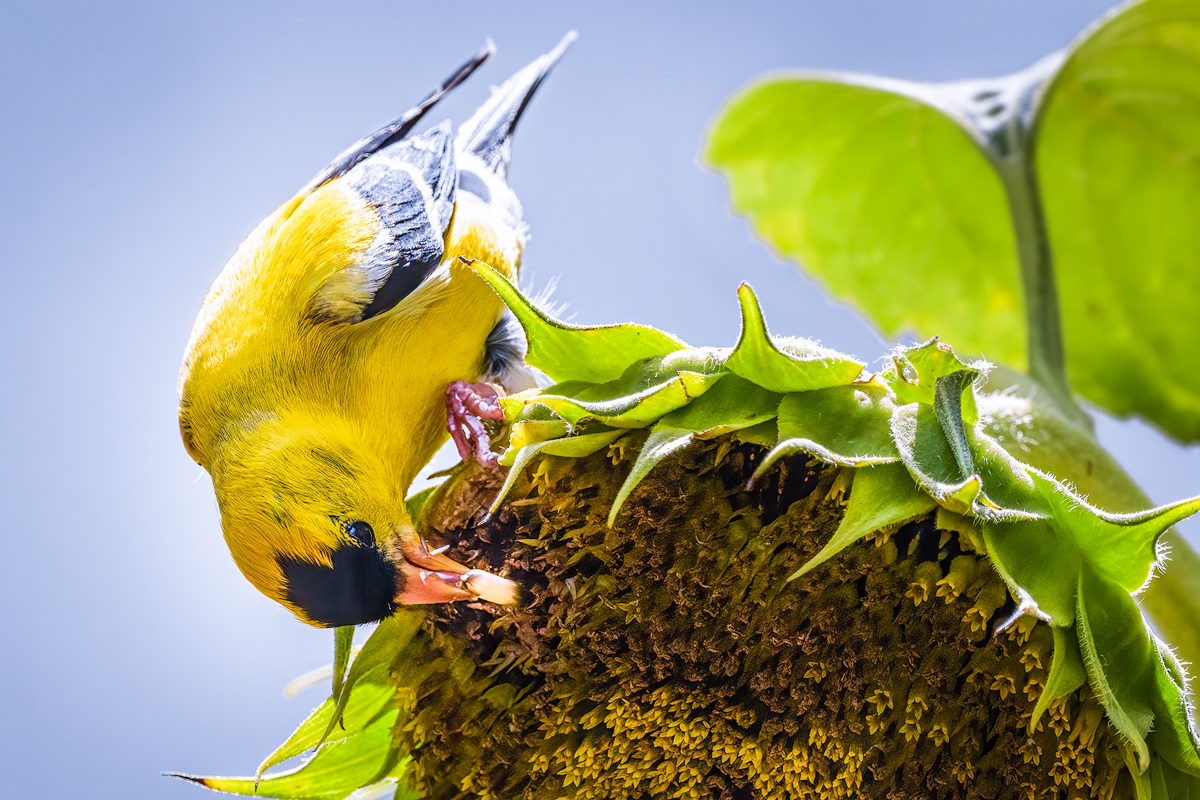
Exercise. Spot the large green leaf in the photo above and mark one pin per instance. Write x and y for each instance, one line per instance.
(1051, 207)
(1117, 147)
(884, 198)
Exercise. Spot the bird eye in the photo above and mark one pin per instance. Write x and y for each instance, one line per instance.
(361, 532)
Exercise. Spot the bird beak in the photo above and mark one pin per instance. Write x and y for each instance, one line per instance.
(430, 577)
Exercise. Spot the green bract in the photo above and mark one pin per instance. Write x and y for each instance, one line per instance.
(912, 438)
(352, 731)
(957, 208)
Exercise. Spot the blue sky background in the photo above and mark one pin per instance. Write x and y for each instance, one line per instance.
(142, 141)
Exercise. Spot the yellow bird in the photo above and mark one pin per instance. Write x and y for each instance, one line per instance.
(315, 383)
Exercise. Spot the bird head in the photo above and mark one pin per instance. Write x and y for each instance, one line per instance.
(317, 523)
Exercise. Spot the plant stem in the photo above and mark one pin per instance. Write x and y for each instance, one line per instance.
(1047, 359)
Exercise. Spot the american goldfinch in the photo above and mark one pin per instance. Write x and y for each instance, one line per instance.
(314, 386)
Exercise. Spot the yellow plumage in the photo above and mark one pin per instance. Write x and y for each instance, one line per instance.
(313, 419)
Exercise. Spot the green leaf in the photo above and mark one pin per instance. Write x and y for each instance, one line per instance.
(1142, 781)
(308, 735)
(355, 752)
(1033, 559)
(629, 402)
(1066, 672)
(1172, 601)
(916, 370)
(343, 640)
(372, 699)
(1158, 782)
(370, 666)
(880, 496)
(764, 434)
(1034, 554)
(1135, 676)
(948, 407)
(784, 365)
(884, 197)
(356, 712)
(415, 504)
(572, 352)
(1174, 736)
(1122, 547)
(526, 432)
(1109, 623)
(334, 773)
(921, 443)
(1119, 165)
(569, 446)
(907, 199)
(1010, 489)
(1041, 438)
(843, 425)
(962, 468)
(733, 404)
(663, 441)
(1179, 785)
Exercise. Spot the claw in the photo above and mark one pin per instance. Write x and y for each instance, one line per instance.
(467, 405)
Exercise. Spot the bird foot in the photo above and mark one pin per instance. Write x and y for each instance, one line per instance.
(467, 406)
